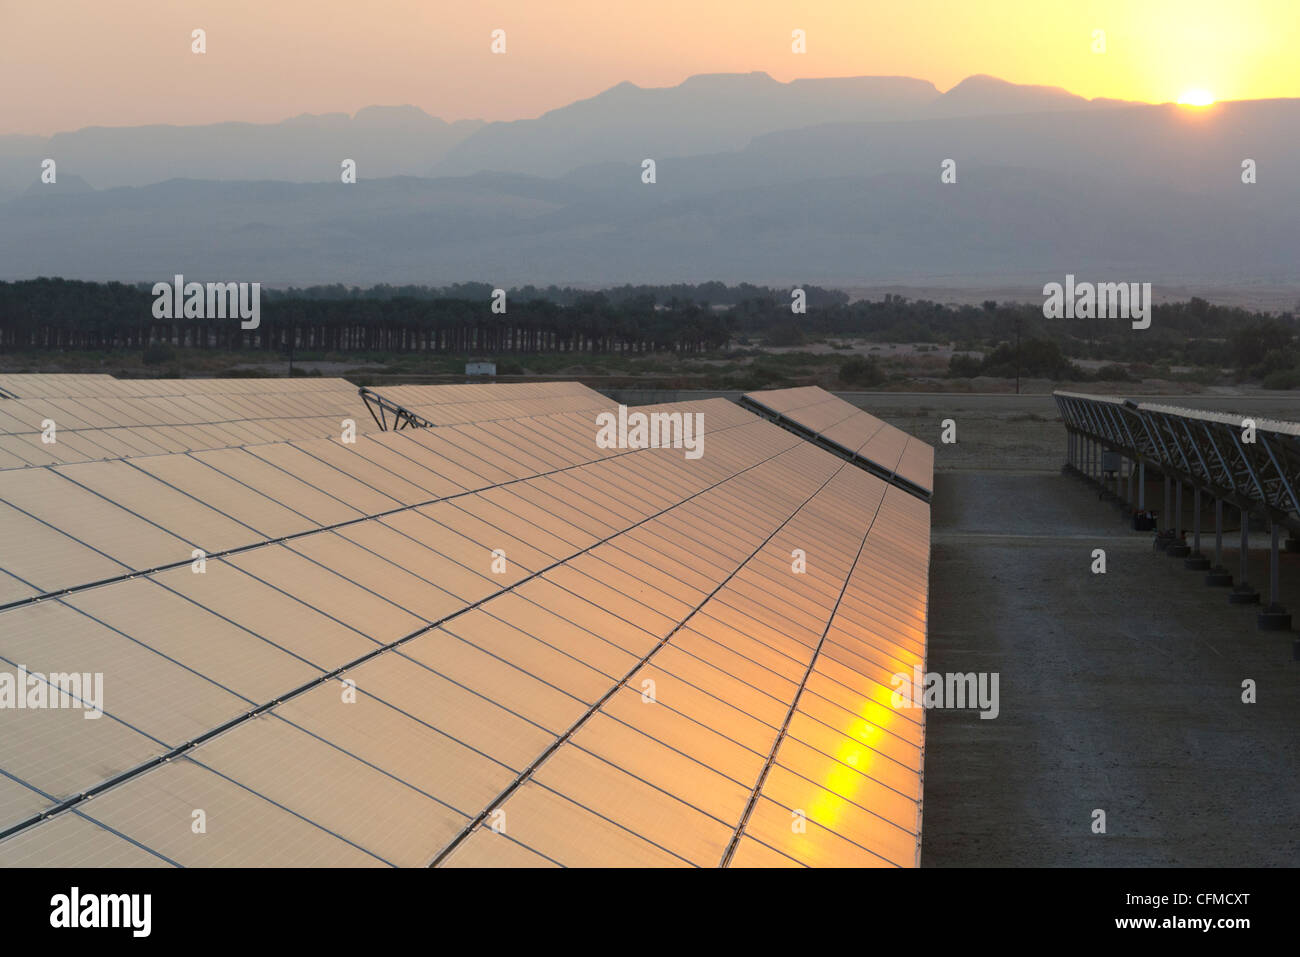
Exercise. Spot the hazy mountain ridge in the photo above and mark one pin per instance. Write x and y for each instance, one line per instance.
(1057, 184)
(384, 141)
(703, 114)
(723, 112)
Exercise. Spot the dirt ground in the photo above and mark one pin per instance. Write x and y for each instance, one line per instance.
(1000, 432)
(1120, 692)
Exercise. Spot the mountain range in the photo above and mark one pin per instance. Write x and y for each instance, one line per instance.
(834, 181)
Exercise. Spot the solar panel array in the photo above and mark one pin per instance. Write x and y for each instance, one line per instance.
(110, 418)
(458, 404)
(488, 644)
(889, 452)
(79, 385)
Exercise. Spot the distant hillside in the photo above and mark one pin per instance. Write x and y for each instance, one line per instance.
(384, 140)
(1046, 183)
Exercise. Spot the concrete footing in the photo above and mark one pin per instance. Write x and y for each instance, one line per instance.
(1273, 618)
(1219, 578)
(1243, 594)
(1197, 562)
(1177, 549)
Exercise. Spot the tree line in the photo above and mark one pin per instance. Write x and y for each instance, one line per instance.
(684, 318)
(70, 314)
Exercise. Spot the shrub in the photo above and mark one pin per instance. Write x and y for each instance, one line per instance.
(1283, 379)
(964, 366)
(861, 371)
(157, 353)
(1113, 373)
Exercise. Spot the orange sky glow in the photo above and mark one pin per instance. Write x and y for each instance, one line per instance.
(73, 63)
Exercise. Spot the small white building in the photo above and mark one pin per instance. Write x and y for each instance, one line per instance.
(480, 368)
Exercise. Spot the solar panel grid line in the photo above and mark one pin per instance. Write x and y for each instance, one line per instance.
(826, 712)
(297, 463)
(509, 440)
(483, 675)
(505, 795)
(665, 799)
(290, 750)
(343, 458)
(187, 760)
(656, 725)
(72, 538)
(781, 662)
(564, 435)
(258, 493)
(392, 452)
(125, 724)
(100, 385)
(568, 673)
(130, 511)
(394, 459)
(407, 446)
(87, 844)
(812, 412)
(404, 727)
(257, 636)
(367, 691)
(508, 456)
(35, 452)
(74, 417)
(847, 688)
(106, 618)
(199, 740)
(602, 646)
(641, 748)
(794, 704)
(246, 492)
(270, 481)
(596, 503)
(197, 674)
(837, 417)
(449, 405)
(540, 431)
(485, 464)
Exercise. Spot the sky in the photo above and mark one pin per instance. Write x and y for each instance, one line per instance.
(65, 64)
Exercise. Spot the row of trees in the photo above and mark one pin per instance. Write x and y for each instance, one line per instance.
(66, 314)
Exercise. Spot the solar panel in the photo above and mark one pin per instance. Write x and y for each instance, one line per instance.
(433, 647)
(28, 385)
(816, 414)
(489, 401)
(111, 418)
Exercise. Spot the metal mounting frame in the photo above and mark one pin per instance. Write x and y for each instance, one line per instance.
(1203, 449)
(381, 408)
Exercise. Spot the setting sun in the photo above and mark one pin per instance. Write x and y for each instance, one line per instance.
(1196, 98)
